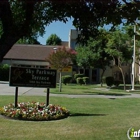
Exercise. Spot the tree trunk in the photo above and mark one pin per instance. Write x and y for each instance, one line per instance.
(102, 76)
(123, 77)
(12, 32)
(6, 45)
(60, 81)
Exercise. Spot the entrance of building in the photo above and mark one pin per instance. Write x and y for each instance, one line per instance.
(95, 76)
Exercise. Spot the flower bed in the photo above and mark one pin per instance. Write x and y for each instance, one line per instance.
(34, 111)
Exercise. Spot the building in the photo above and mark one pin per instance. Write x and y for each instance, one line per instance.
(95, 74)
(35, 55)
(27, 55)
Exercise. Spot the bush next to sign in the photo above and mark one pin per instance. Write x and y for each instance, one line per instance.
(4, 72)
(79, 80)
(85, 80)
(75, 76)
(82, 80)
(66, 79)
(109, 81)
(78, 75)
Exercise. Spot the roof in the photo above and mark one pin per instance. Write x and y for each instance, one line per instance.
(64, 43)
(29, 52)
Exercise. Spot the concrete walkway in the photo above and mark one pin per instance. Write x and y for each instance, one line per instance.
(5, 89)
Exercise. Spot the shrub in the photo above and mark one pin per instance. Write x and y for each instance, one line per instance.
(78, 75)
(79, 80)
(85, 80)
(66, 79)
(4, 72)
(109, 81)
(116, 83)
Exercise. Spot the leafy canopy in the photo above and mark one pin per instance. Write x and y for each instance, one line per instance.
(28, 18)
(93, 54)
(119, 47)
(61, 58)
(53, 39)
(30, 40)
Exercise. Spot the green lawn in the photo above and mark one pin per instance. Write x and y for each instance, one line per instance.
(90, 89)
(91, 119)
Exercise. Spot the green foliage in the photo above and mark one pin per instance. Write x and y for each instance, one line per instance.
(116, 83)
(29, 40)
(84, 56)
(109, 81)
(119, 47)
(78, 75)
(66, 79)
(61, 58)
(4, 72)
(79, 80)
(53, 39)
(25, 18)
(85, 80)
(93, 53)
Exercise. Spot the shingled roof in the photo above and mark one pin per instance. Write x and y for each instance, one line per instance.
(29, 52)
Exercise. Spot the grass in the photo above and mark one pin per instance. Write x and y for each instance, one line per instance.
(91, 119)
(90, 89)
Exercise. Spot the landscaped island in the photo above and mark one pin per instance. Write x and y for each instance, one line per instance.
(34, 111)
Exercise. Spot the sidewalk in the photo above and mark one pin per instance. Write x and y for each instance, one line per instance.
(5, 89)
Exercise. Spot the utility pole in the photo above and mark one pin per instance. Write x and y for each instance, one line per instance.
(133, 63)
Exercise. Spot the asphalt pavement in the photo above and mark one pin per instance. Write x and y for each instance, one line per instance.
(5, 89)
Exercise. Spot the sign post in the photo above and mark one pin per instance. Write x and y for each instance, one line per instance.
(16, 96)
(32, 77)
(47, 99)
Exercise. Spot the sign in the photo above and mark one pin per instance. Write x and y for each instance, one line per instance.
(67, 69)
(131, 133)
(32, 77)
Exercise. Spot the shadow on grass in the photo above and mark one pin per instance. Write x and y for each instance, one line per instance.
(127, 87)
(113, 94)
(106, 93)
(84, 114)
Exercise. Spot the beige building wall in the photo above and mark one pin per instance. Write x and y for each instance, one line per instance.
(107, 73)
(116, 73)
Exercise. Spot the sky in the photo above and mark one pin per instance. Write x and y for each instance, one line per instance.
(59, 28)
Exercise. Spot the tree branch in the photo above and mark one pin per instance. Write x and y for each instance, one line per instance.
(28, 6)
(10, 34)
(6, 16)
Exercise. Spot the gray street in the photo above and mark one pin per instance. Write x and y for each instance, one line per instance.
(5, 89)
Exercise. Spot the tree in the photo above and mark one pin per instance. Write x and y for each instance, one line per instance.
(93, 54)
(30, 40)
(53, 39)
(60, 59)
(119, 48)
(25, 18)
